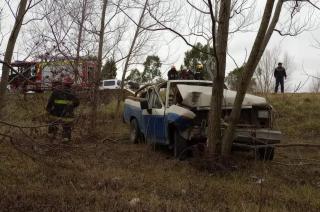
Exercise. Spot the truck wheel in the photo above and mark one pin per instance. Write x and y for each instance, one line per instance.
(266, 153)
(134, 131)
(179, 146)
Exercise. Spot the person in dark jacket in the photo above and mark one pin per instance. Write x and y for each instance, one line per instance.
(60, 107)
(173, 73)
(280, 74)
(190, 75)
(183, 75)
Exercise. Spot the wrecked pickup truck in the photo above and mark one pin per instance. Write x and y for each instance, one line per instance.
(175, 113)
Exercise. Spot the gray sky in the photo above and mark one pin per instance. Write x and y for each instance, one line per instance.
(300, 48)
(171, 51)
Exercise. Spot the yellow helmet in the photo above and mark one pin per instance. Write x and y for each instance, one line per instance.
(200, 66)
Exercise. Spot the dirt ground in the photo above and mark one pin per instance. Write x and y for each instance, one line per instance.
(108, 173)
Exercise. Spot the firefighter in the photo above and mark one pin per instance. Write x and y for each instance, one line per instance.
(60, 107)
(198, 75)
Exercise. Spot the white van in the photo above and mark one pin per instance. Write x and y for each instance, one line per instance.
(110, 84)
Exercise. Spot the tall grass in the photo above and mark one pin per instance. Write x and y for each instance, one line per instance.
(297, 115)
(106, 173)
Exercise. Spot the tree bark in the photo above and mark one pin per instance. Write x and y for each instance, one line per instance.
(92, 128)
(126, 66)
(81, 23)
(261, 41)
(214, 133)
(9, 52)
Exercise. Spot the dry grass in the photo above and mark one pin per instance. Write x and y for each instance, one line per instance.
(106, 173)
(297, 115)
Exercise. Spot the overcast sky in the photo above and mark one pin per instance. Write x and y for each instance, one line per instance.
(300, 48)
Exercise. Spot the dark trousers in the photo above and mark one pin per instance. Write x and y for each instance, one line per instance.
(280, 81)
(66, 127)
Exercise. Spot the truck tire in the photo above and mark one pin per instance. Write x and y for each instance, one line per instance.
(134, 131)
(266, 153)
(179, 146)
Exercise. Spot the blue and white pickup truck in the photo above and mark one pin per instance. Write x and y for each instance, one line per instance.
(175, 113)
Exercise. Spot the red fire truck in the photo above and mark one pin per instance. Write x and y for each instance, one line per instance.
(40, 76)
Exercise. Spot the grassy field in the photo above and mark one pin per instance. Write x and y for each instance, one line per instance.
(107, 173)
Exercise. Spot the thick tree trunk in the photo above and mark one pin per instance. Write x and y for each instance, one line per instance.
(261, 41)
(126, 66)
(214, 134)
(9, 52)
(92, 128)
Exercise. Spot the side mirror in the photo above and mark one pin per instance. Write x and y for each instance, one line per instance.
(144, 104)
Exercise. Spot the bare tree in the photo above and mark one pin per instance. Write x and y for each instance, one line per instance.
(289, 64)
(266, 29)
(219, 59)
(98, 70)
(81, 12)
(315, 87)
(264, 73)
(24, 6)
(1, 32)
(129, 55)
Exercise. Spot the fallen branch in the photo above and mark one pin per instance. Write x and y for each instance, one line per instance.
(6, 136)
(295, 164)
(30, 127)
(297, 145)
(110, 140)
(15, 146)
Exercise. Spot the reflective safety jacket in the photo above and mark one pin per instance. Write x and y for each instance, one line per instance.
(62, 102)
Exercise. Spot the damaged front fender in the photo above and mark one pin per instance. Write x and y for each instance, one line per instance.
(180, 117)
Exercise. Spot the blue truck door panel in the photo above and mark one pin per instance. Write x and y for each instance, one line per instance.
(154, 125)
(154, 122)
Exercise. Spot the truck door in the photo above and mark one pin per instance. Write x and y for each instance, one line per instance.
(153, 118)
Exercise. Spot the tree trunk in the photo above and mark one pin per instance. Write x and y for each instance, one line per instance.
(261, 41)
(214, 133)
(9, 52)
(92, 128)
(83, 15)
(126, 66)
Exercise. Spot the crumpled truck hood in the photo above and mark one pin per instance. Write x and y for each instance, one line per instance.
(200, 96)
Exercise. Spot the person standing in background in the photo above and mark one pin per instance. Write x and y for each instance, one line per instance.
(280, 74)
